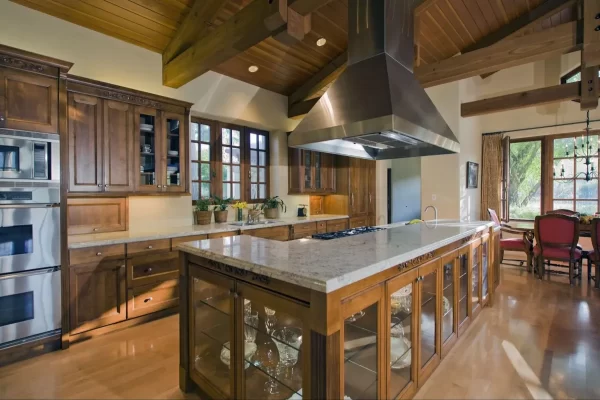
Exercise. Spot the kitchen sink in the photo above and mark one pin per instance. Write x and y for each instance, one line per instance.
(244, 223)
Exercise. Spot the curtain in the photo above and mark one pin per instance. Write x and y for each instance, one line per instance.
(491, 175)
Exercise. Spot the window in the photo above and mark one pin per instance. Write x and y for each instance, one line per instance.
(257, 147)
(525, 178)
(570, 189)
(202, 156)
(572, 76)
(231, 162)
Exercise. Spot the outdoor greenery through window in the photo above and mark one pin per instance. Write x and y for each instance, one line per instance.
(201, 139)
(525, 194)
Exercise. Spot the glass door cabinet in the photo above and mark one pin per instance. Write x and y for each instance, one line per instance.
(449, 320)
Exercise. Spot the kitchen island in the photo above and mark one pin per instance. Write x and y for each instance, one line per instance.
(368, 316)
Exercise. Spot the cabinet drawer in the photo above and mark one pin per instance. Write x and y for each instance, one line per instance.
(358, 222)
(322, 227)
(95, 215)
(337, 225)
(178, 240)
(96, 253)
(304, 230)
(148, 247)
(222, 234)
(143, 270)
(276, 233)
(147, 299)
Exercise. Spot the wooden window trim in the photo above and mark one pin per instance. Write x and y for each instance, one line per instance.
(219, 159)
(267, 151)
(212, 163)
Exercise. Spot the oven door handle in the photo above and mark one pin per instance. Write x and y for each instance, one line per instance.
(28, 273)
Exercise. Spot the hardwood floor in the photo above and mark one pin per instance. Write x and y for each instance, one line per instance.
(540, 340)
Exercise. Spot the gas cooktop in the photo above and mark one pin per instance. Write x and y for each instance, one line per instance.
(346, 233)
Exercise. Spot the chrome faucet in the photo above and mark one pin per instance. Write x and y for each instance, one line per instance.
(434, 210)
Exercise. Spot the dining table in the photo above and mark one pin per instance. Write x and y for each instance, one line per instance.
(529, 226)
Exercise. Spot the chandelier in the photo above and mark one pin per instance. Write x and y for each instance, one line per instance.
(583, 153)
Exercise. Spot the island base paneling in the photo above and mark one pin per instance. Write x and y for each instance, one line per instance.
(246, 335)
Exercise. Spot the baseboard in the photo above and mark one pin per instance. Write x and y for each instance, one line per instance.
(33, 348)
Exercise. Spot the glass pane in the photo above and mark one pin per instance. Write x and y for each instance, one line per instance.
(400, 339)
(484, 269)
(428, 316)
(172, 126)
(587, 190)
(253, 157)
(262, 142)
(564, 205)
(273, 351)
(236, 173)
(475, 278)
(15, 308)
(194, 151)
(581, 169)
(525, 193)
(463, 269)
(448, 301)
(235, 138)
(262, 175)
(235, 156)
(563, 189)
(227, 155)
(317, 170)
(226, 190)
(211, 340)
(561, 147)
(262, 158)
(195, 190)
(226, 136)
(195, 171)
(262, 191)
(253, 140)
(205, 172)
(205, 189)
(253, 191)
(360, 354)
(204, 152)
(226, 173)
(253, 174)
(205, 133)
(564, 168)
(194, 131)
(236, 191)
(586, 207)
(16, 240)
(307, 169)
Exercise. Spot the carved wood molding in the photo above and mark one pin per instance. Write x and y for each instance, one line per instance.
(25, 65)
(128, 98)
(416, 261)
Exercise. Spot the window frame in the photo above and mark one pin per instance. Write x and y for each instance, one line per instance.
(543, 168)
(267, 167)
(211, 163)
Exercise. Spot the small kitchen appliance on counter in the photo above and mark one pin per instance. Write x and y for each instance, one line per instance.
(302, 210)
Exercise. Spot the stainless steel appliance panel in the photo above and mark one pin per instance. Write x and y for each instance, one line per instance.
(29, 303)
(29, 238)
(25, 158)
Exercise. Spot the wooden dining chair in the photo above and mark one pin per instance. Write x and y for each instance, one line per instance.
(594, 256)
(524, 243)
(556, 238)
(564, 211)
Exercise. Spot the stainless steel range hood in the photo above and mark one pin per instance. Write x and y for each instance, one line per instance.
(377, 109)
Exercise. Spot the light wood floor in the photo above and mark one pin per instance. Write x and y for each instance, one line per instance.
(540, 340)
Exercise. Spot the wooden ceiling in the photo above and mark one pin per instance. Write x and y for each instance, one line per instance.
(444, 28)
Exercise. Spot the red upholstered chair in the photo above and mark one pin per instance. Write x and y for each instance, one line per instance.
(563, 211)
(523, 244)
(594, 256)
(556, 238)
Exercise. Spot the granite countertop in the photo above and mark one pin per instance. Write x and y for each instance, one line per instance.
(328, 265)
(101, 239)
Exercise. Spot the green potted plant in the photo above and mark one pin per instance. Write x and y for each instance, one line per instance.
(220, 208)
(203, 212)
(271, 207)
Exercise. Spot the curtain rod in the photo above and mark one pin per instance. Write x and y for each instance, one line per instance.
(538, 127)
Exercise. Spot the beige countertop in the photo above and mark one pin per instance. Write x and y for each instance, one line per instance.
(101, 239)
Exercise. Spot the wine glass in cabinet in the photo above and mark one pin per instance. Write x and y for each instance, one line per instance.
(449, 319)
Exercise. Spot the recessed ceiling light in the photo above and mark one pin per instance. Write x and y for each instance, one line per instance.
(253, 68)
(321, 42)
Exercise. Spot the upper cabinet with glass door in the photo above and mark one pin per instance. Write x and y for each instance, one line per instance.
(147, 123)
(310, 172)
(174, 156)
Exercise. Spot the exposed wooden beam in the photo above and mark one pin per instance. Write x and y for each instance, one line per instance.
(529, 98)
(301, 108)
(305, 7)
(248, 27)
(508, 53)
(321, 79)
(194, 26)
(589, 88)
(590, 55)
(298, 26)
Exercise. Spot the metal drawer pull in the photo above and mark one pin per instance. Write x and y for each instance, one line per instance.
(149, 247)
(148, 300)
(98, 254)
(148, 270)
(95, 229)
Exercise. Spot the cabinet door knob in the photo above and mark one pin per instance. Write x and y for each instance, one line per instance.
(150, 247)
(148, 270)
(95, 229)
(148, 300)
(99, 185)
(105, 186)
(98, 254)
(158, 186)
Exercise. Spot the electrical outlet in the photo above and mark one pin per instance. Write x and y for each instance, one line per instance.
(433, 197)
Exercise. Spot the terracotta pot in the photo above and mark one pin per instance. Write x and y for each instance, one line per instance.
(271, 213)
(220, 216)
(203, 217)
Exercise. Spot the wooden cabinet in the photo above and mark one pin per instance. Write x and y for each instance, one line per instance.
(355, 194)
(299, 231)
(96, 215)
(97, 293)
(149, 269)
(310, 172)
(142, 300)
(485, 269)
(372, 195)
(117, 141)
(449, 320)
(355, 222)
(464, 300)
(337, 225)
(28, 101)
(97, 254)
(359, 187)
(475, 278)
(174, 151)
(281, 233)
